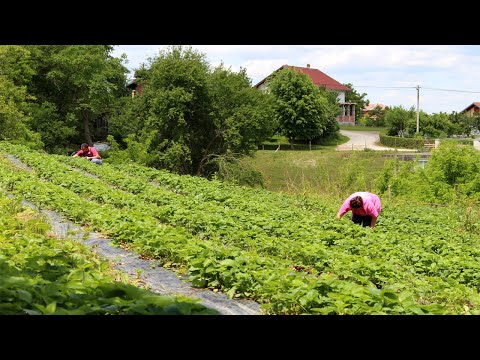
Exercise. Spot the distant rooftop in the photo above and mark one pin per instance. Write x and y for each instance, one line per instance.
(318, 78)
(371, 106)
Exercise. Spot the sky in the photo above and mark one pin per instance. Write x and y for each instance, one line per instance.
(448, 76)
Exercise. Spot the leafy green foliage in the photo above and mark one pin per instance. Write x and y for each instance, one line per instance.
(450, 174)
(189, 114)
(302, 110)
(233, 171)
(45, 117)
(128, 118)
(400, 121)
(286, 252)
(13, 120)
(42, 275)
(16, 64)
(78, 83)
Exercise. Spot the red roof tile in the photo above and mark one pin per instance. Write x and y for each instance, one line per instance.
(475, 104)
(371, 106)
(318, 78)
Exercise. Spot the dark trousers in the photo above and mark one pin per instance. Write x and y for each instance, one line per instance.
(364, 220)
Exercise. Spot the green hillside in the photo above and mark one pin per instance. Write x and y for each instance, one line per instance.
(287, 252)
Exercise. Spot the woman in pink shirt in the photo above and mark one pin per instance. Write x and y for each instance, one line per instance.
(365, 208)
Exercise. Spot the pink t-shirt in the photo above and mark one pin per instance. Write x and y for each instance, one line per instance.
(371, 205)
(91, 152)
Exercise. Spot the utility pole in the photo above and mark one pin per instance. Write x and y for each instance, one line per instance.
(418, 107)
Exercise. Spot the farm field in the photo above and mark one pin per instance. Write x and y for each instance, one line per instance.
(41, 275)
(285, 251)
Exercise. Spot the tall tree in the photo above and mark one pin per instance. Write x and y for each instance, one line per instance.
(78, 82)
(331, 125)
(15, 73)
(193, 115)
(376, 116)
(400, 121)
(436, 125)
(302, 112)
(16, 64)
(176, 91)
(241, 114)
(463, 123)
(13, 120)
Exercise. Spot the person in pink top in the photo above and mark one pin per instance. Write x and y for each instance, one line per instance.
(90, 153)
(365, 208)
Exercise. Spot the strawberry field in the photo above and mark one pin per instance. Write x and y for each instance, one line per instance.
(288, 253)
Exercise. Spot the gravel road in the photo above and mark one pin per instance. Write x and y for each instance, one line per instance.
(361, 140)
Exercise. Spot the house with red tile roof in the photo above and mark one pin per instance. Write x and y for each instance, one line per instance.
(367, 109)
(472, 109)
(319, 78)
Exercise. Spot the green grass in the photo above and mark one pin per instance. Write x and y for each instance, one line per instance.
(282, 141)
(321, 170)
(318, 172)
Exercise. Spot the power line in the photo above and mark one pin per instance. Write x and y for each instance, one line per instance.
(414, 87)
(473, 92)
(389, 87)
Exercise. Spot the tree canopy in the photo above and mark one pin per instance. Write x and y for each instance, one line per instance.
(65, 88)
(302, 110)
(192, 114)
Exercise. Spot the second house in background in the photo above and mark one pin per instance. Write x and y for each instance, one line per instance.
(347, 115)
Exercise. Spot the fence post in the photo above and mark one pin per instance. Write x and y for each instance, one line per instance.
(310, 144)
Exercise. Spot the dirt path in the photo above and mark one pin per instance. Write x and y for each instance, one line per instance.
(361, 140)
(159, 280)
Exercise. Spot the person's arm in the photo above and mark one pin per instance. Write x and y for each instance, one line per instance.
(77, 154)
(343, 209)
(372, 210)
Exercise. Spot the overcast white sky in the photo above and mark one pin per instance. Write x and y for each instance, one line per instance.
(448, 75)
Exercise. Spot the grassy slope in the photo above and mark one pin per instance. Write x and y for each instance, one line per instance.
(319, 172)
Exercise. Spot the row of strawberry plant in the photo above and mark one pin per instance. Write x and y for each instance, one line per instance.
(430, 266)
(235, 229)
(383, 270)
(281, 289)
(296, 250)
(42, 275)
(235, 211)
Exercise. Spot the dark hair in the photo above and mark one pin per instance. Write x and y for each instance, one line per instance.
(356, 202)
(84, 145)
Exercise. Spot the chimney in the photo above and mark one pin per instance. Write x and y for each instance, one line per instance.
(308, 66)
